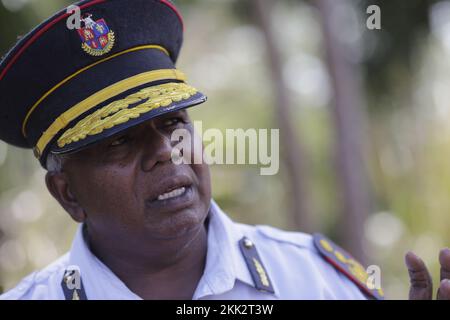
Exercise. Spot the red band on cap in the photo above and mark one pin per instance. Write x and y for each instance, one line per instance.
(171, 6)
(38, 34)
(45, 28)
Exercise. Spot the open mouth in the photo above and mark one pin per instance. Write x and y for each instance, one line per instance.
(173, 200)
(172, 194)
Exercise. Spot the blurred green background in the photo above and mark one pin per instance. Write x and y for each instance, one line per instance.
(362, 116)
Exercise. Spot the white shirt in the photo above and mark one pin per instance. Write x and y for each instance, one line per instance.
(294, 266)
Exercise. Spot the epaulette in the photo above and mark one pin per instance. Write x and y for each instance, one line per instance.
(347, 265)
(72, 284)
(255, 266)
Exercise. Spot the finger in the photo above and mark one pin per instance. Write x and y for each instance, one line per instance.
(444, 290)
(444, 260)
(421, 283)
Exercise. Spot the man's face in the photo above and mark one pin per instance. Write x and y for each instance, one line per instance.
(129, 188)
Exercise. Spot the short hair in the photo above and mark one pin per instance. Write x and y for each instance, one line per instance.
(54, 163)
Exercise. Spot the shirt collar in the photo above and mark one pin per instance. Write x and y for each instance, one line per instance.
(98, 280)
(224, 263)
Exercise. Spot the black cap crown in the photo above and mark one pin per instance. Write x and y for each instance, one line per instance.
(64, 88)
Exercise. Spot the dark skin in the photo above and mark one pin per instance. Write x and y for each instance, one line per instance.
(159, 250)
(156, 247)
(421, 282)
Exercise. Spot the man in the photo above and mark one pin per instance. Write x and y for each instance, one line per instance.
(102, 103)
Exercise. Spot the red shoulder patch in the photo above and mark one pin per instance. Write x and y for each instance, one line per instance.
(346, 264)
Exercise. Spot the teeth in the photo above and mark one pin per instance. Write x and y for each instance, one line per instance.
(172, 194)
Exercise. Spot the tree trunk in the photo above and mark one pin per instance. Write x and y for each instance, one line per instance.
(293, 154)
(348, 116)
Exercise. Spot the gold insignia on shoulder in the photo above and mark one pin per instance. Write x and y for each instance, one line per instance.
(346, 264)
(75, 295)
(326, 245)
(261, 272)
(357, 270)
(340, 256)
(255, 265)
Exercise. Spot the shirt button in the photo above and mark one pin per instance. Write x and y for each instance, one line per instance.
(248, 244)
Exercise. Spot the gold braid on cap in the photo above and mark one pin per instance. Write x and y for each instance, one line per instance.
(118, 112)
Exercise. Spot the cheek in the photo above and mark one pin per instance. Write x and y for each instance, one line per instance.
(201, 170)
(192, 147)
(204, 181)
(107, 196)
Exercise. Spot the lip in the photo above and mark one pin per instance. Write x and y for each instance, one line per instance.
(175, 203)
(169, 185)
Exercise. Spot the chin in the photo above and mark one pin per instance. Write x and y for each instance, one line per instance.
(184, 224)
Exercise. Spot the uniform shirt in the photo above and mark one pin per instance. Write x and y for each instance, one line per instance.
(294, 266)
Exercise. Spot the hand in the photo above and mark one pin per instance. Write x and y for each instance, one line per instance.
(421, 281)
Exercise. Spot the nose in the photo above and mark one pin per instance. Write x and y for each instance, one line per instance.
(157, 148)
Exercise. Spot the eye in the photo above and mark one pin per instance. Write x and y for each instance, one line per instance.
(119, 141)
(173, 121)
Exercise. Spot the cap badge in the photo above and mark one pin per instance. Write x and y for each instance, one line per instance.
(96, 36)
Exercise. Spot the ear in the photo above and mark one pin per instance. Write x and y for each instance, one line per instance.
(58, 185)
